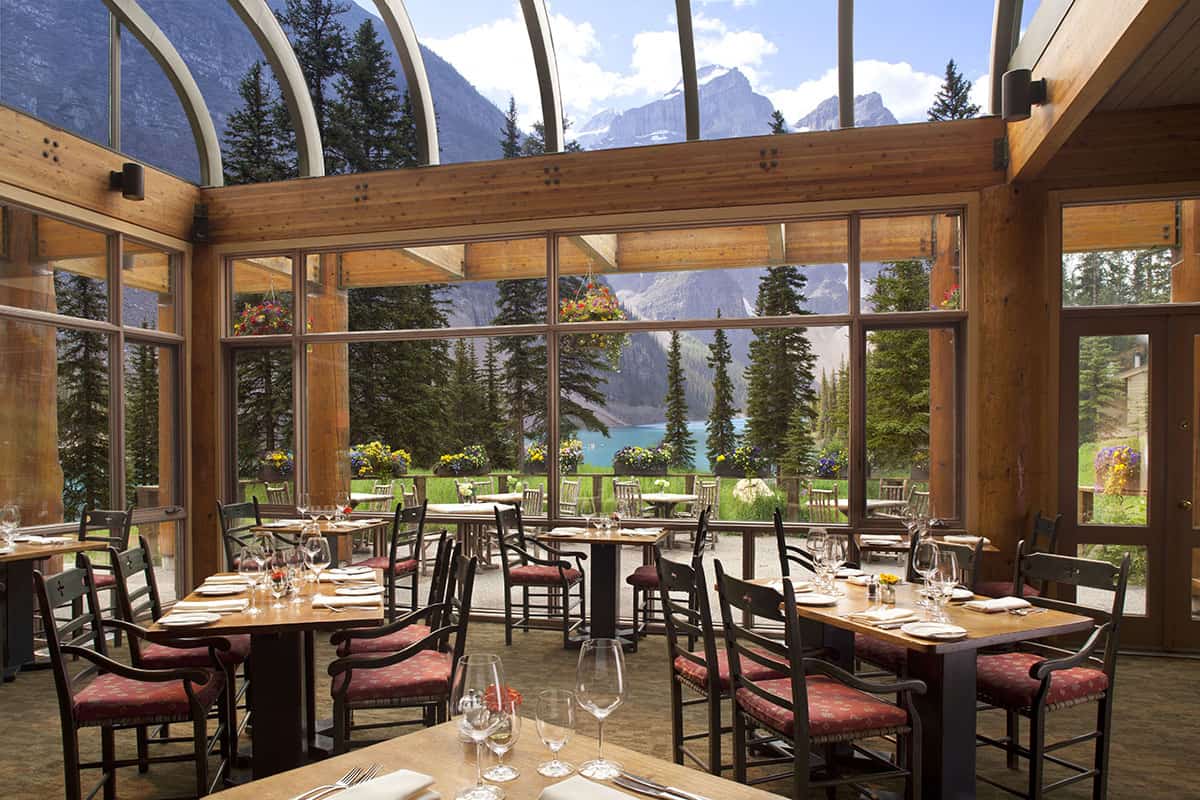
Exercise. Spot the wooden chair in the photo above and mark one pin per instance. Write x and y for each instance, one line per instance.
(644, 580)
(1043, 539)
(113, 696)
(568, 498)
(143, 603)
(525, 571)
(791, 554)
(111, 529)
(408, 496)
(235, 529)
(401, 566)
(532, 502)
(781, 707)
(893, 489)
(1038, 678)
(279, 495)
(918, 503)
(708, 498)
(628, 496)
(418, 676)
(823, 505)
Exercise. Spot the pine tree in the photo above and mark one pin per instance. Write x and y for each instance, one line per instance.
(841, 404)
(254, 149)
(264, 406)
(778, 123)
(497, 440)
(365, 128)
(510, 134)
(535, 143)
(799, 452)
(318, 38)
(953, 100)
(1100, 387)
(677, 435)
(464, 408)
(141, 417)
(523, 301)
(722, 437)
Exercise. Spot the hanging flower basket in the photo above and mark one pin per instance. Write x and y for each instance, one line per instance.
(276, 466)
(744, 462)
(1117, 469)
(263, 318)
(471, 461)
(596, 303)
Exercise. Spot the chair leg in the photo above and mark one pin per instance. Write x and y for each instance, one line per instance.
(525, 608)
(340, 724)
(739, 746)
(1013, 732)
(71, 774)
(676, 720)
(108, 755)
(143, 749)
(200, 743)
(508, 622)
(635, 619)
(714, 733)
(1103, 725)
(1037, 742)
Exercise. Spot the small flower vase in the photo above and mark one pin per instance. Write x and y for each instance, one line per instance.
(887, 594)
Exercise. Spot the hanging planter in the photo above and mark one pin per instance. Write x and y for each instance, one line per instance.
(596, 303)
(263, 318)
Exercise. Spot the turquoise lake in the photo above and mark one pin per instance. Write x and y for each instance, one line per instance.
(598, 450)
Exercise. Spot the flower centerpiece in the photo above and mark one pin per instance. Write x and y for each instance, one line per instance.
(378, 460)
(634, 460)
(263, 318)
(832, 461)
(661, 484)
(277, 465)
(745, 461)
(570, 453)
(887, 587)
(471, 460)
(1117, 468)
(596, 303)
(758, 497)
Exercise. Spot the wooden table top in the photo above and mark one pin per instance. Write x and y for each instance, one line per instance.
(467, 509)
(873, 503)
(622, 536)
(32, 551)
(438, 753)
(668, 498)
(983, 630)
(509, 498)
(301, 616)
(328, 528)
(988, 547)
(370, 497)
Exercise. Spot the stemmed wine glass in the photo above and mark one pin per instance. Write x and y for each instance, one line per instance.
(319, 557)
(303, 504)
(600, 689)
(503, 739)
(250, 568)
(835, 557)
(343, 508)
(555, 724)
(478, 684)
(924, 562)
(814, 543)
(943, 581)
(10, 520)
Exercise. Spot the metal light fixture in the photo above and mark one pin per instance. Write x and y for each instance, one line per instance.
(1019, 93)
(131, 180)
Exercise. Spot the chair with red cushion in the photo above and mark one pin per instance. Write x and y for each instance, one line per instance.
(1040, 678)
(401, 566)
(417, 676)
(1044, 539)
(95, 691)
(644, 581)
(142, 603)
(546, 584)
(112, 529)
(816, 706)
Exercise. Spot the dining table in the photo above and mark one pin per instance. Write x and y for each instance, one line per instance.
(339, 534)
(438, 753)
(947, 708)
(874, 505)
(282, 697)
(472, 521)
(604, 579)
(16, 594)
(505, 498)
(664, 502)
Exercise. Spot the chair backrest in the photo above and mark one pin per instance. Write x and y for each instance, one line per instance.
(1044, 536)
(459, 592)
(968, 556)
(568, 498)
(137, 603)
(628, 495)
(892, 488)
(67, 590)
(532, 501)
(234, 534)
(687, 615)
(918, 502)
(708, 497)
(823, 505)
(383, 488)
(111, 528)
(408, 531)
(409, 495)
(510, 532)
(483, 486)
(386, 490)
(701, 537)
(279, 495)
(790, 553)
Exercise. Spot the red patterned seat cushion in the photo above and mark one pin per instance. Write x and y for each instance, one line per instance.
(541, 575)
(1003, 680)
(697, 674)
(393, 642)
(104, 580)
(644, 577)
(405, 567)
(426, 674)
(1004, 589)
(835, 711)
(891, 657)
(110, 698)
(156, 656)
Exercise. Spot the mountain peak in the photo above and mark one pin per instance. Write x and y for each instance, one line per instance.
(869, 111)
(724, 77)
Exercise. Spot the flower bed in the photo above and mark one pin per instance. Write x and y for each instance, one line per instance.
(471, 461)
(744, 461)
(633, 460)
(378, 460)
(832, 461)
(570, 454)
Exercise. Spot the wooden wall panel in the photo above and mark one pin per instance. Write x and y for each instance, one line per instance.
(1119, 226)
(1116, 148)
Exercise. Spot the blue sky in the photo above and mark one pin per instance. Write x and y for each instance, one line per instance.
(623, 53)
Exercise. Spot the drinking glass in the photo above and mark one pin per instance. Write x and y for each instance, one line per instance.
(296, 563)
(478, 684)
(814, 543)
(318, 554)
(308, 533)
(502, 740)
(600, 689)
(924, 562)
(10, 520)
(303, 503)
(835, 557)
(555, 724)
(277, 581)
(944, 579)
(250, 569)
(342, 507)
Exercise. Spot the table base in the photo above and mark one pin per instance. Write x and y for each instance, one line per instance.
(280, 701)
(16, 617)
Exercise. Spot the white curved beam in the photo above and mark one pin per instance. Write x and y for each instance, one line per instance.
(261, 21)
(687, 57)
(845, 63)
(537, 21)
(208, 145)
(1006, 30)
(404, 38)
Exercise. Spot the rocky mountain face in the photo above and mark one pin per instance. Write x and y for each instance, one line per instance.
(869, 111)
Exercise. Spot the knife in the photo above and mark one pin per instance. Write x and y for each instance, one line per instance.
(640, 788)
(669, 791)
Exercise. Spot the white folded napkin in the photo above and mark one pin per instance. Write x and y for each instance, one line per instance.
(578, 787)
(884, 614)
(849, 572)
(225, 579)
(335, 601)
(403, 784)
(961, 539)
(997, 604)
(859, 580)
(798, 587)
(338, 576)
(218, 606)
(885, 540)
(284, 523)
(31, 539)
(640, 531)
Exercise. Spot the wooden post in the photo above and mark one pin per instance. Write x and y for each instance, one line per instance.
(792, 485)
(943, 278)
(205, 475)
(1185, 288)
(329, 395)
(166, 495)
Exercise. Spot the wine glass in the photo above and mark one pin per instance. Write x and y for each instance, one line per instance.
(10, 520)
(250, 568)
(296, 562)
(303, 504)
(478, 682)
(555, 724)
(924, 562)
(308, 533)
(343, 508)
(814, 543)
(277, 579)
(835, 557)
(319, 557)
(503, 739)
(600, 689)
(944, 580)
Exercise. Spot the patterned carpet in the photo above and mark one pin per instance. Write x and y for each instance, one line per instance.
(1157, 722)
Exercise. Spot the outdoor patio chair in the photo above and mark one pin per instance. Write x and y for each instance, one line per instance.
(918, 503)
(708, 498)
(628, 496)
(823, 505)
(280, 495)
(568, 498)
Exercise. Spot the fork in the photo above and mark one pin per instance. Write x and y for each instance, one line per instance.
(340, 609)
(343, 782)
(1025, 612)
(363, 776)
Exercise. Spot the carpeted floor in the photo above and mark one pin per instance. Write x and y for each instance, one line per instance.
(1157, 722)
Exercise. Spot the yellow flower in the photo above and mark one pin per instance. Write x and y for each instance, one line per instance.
(889, 579)
(720, 458)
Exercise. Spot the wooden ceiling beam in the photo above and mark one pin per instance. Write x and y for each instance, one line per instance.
(449, 258)
(1122, 226)
(600, 249)
(776, 242)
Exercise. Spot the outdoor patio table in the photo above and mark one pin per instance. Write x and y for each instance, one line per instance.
(340, 534)
(505, 498)
(947, 709)
(874, 504)
(357, 498)
(471, 532)
(664, 502)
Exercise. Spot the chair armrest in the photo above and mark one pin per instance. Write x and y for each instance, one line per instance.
(831, 670)
(193, 674)
(1042, 669)
(579, 554)
(387, 628)
(376, 660)
(133, 629)
(545, 562)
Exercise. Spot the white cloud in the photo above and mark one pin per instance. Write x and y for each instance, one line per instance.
(907, 92)
(981, 93)
(734, 3)
(745, 50)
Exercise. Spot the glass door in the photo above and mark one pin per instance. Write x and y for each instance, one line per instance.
(1182, 586)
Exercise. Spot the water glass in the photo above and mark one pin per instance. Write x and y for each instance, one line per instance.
(277, 581)
(303, 504)
(924, 562)
(943, 581)
(835, 557)
(251, 569)
(342, 506)
(502, 740)
(555, 725)
(474, 697)
(10, 520)
(319, 556)
(600, 689)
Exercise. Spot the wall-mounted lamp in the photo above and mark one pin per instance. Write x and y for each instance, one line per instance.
(1019, 93)
(131, 180)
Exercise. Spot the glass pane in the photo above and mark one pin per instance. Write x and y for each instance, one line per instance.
(262, 295)
(1128, 254)
(48, 265)
(265, 421)
(154, 128)
(911, 263)
(477, 284)
(147, 287)
(1114, 426)
(150, 418)
(1135, 593)
(163, 541)
(911, 422)
(1195, 583)
(703, 273)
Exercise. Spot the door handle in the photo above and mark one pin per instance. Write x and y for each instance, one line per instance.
(1185, 504)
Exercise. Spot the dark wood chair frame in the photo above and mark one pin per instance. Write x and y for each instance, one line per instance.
(970, 557)
(643, 599)
(448, 621)
(794, 554)
(404, 535)
(82, 637)
(1099, 651)
(840, 762)
(118, 526)
(235, 537)
(557, 603)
